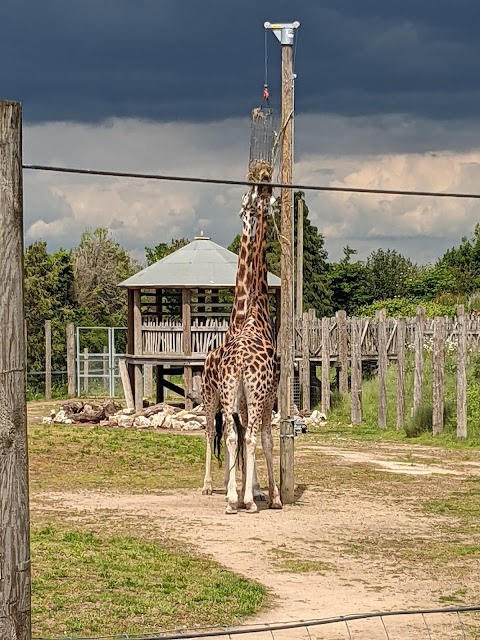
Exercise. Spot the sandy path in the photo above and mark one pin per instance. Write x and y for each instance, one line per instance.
(315, 528)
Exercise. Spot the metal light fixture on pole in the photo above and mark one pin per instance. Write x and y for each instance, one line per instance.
(285, 33)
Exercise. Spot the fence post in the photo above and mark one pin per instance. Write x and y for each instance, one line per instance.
(356, 385)
(382, 368)
(418, 372)
(342, 351)
(401, 337)
(85, 371)
(309, 320)
(325, 365)
(461, 373)
(105, 372)
(438, 357)
(48, 359)
(15, 620)
(71, 360)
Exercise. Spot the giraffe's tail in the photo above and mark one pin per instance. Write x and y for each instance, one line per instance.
(217, 441)
(240, 438)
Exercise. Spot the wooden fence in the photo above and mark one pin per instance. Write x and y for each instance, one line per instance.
(347, 342)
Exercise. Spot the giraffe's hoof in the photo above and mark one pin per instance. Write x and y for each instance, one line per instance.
(275, 504)
(207, 492)
(231, 509)
(251, 508)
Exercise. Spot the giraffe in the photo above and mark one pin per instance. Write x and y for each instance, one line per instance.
(210, 375)
(249, 371)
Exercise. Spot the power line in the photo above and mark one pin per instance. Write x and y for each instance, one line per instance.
(278, 185)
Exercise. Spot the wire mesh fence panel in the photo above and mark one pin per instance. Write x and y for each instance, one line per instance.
(99, 351)
(451, 623)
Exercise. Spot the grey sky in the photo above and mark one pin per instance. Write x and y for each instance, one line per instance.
(387, 95)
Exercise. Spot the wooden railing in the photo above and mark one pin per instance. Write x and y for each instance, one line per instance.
(167, 336)
(309, 329)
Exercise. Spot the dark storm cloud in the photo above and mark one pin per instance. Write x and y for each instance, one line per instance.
(87, 60)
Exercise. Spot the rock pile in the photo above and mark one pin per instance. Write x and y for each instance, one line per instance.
(158, 416)
(111, 414)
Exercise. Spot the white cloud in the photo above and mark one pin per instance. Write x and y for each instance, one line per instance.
(385, 152)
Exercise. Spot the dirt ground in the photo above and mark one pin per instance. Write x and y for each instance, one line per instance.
(317, 557)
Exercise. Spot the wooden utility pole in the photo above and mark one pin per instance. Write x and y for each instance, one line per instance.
(285, 34)
(15, 622)
(299, 287)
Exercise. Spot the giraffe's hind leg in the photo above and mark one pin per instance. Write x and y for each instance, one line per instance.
(210, 406)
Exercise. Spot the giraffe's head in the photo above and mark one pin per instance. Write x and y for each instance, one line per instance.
(249, 212)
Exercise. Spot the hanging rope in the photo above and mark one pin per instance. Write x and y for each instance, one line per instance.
(266, 92)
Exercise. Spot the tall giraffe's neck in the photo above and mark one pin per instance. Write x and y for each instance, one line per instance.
(242, 285)
(258, 304)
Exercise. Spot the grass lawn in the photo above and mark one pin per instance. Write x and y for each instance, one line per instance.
(72, 457)
(89, 584)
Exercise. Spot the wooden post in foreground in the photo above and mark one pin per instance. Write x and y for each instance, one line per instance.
(382, 369)
(325, 365)
(461, 373)
(439, 335)
(341, 317)
(48, 359)
(71, 378)
(401, 335)
(15, 621)
(418, 372)
(356, 392)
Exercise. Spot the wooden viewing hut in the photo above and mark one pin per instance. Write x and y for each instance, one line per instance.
(178, 310)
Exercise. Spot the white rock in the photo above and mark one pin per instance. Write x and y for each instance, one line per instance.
(47, 420)
(167, 423)
(192, 425)
(177, 424)
(142, 422)
(125, 421)
(61, 417)
(113, 420)
(158, 420)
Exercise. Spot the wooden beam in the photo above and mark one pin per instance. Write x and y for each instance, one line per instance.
(160, 381)
(187, 344)
(130, 337)
(15, 605)
(299, 283)
(127, 387)
(137, 348)
(174, 387)
(461, 373)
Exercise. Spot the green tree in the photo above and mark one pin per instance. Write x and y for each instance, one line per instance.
(349, 283)
(49, 295)
(99, 265)
(389, 274)
(163, 249)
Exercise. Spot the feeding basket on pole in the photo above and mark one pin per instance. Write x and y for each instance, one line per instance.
(263, 142)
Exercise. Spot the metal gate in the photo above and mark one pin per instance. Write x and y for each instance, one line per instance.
(99, 350)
